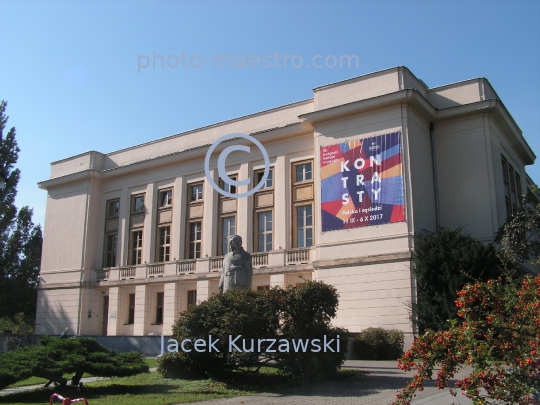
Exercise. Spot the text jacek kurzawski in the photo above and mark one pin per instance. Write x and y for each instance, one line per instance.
(236, 343)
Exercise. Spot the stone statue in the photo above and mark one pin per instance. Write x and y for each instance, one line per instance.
(237, 269)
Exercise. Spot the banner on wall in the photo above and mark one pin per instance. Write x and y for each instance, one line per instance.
(362, 182)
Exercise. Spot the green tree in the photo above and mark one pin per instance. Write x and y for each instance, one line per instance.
(302, 312)
(444, 261)
(20, 239)
(55, 357)
(519, 237)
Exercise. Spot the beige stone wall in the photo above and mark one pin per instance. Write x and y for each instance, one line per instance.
(370, 266)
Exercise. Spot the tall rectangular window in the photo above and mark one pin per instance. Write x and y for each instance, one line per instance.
(302, 204)
(191, 298)
(163, 224)
(111, 233)
(159, 308)
(136, 247)
(131, 309)
(304, 226)
(228, 228)
(263, 204)
(195, 240)
(264, 231)
(136, 224)
(512, 187)
(194, 212)
(164, 244)
(110, 254)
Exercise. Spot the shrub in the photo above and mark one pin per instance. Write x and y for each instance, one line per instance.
(298, 312)
(379, 344)
(55, 357)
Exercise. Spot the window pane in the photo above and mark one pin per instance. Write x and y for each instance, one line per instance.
(269, 221)
(309, 237)
(300, 217)
(269, 179)
(299, 173)
(261, 243)
(138, 204)
(309, 217)
(308, 171)
(268, 242)
(300, 236)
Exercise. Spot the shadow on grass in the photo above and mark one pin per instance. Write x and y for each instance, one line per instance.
(160, 390)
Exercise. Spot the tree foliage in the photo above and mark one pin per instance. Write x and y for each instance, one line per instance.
(519, 237)
(444, 261)
(498, 336)
(20, 239)
(298, 312)
(55, 357)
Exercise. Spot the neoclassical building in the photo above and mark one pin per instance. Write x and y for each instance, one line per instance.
(134, 237)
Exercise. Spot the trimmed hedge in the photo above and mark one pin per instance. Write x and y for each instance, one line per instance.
(379, 344)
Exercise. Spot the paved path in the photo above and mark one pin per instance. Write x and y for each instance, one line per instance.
(378, 387)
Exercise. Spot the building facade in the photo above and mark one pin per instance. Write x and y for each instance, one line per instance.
(132, 238)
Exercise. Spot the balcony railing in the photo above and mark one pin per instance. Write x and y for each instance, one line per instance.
(127, 272)
(297, 256)
(216, 263)
(102, 274)
(153, 270)
(185, 266)
(259, 259)
(274, 259)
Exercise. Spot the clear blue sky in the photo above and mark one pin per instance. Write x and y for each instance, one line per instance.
(69, 70)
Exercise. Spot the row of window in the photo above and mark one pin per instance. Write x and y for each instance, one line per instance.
(303, 227)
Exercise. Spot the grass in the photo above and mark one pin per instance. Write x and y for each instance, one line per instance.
(40, 381)
(152, 389)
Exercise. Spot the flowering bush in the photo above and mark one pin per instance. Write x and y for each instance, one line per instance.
(498, 335)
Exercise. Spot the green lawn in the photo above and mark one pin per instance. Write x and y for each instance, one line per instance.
(152, 389)
(40, 381)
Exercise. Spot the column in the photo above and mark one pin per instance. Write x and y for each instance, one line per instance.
(209, 222)
(123, 228)
(203, 290)
(141, 310)
(243, 214)
(178, 226)
(171, 301)
(149, 230)
(114, 312)
(282, 221)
